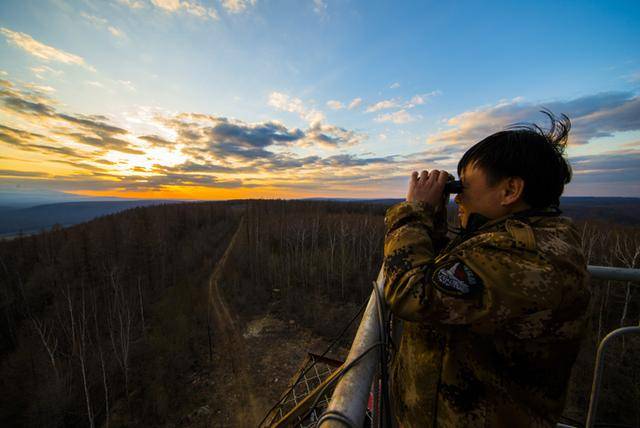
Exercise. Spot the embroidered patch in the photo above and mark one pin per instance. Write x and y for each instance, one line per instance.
(457, 279)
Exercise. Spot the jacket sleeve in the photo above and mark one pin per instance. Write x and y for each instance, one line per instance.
(412, 240)
(472, 285)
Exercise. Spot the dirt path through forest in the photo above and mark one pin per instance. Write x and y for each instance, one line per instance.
(229, 339)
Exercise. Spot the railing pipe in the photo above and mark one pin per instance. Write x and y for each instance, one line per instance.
(351, 395)
(614, 273)
(597, 372)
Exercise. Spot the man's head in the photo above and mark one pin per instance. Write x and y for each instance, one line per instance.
(513, 170)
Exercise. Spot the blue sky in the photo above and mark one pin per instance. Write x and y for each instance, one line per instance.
(232, 98)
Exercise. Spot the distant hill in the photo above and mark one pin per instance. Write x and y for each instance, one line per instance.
(624, 211)
(15, 198)
(39, 217)
(615, 210)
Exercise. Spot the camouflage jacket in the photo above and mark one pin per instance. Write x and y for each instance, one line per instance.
(493, 321)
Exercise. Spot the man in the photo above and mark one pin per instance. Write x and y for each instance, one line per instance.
(494, 318)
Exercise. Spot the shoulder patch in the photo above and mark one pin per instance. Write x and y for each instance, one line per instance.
(457, 279)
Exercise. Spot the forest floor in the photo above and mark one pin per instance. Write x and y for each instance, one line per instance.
(252, 362)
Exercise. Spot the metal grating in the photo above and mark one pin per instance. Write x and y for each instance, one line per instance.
(294, 407)
(310, 381)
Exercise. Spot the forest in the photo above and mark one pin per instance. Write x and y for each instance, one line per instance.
(108, 323)
(100, 320)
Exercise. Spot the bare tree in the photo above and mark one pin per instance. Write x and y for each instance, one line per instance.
(119, 319)
(49, 341)
(78, 334)
(141, 304)
(333, 238)
(103, 368)
(627, 252)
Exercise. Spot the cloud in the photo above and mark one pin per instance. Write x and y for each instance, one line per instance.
(197, 135)
(98, 22)
(613, 166)
(203, 151)
(609, 118)
(420, 99)
(104, 141)
(613, 173)
(116, 31)
(395, 85)
(17, 136)
(446, 156)
(95, 20)
(288, 163)
(355, 103)
(42, 51)
(39, 88)
(157, 141)
(169, 5)
(592, 116)
(133, 4)
(416, 100)
(382, 105)
(247, 141)
(284, 102)
(196, 151)
(332, 136)
(92, 123)
(190, 7)
(632, 144)
(233, 141)
(60, 128)
(32, 142)
(237, 6)
(42, 70)
(633, 77)
(160, 181)
(206, 167)
(397, 117)
(241, 148)
(335, 105)
(320, 7)
(350, 160)
(27, 106)
(127, 84)
(13, 173)
(94, 83)
(227, 139)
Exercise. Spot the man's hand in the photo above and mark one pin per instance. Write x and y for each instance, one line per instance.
(427, 188)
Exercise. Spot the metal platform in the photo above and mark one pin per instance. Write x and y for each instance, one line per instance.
(350, 394)
(307, 394)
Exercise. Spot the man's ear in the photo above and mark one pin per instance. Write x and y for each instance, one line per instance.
(512, 190)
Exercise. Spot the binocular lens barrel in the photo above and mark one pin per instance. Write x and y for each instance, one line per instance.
(453, 187)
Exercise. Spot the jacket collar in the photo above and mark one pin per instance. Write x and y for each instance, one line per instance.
(478, 222)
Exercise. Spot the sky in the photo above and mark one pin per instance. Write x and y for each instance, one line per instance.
(225, 99)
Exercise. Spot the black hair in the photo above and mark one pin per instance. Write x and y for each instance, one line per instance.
(526, 150)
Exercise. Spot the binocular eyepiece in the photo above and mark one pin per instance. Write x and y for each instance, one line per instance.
(454, 186)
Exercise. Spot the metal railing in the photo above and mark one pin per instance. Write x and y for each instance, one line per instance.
(351, 394)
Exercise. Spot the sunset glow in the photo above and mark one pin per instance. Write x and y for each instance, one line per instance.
(289, 100)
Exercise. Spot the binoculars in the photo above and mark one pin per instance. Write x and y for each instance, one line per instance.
(453, 187)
